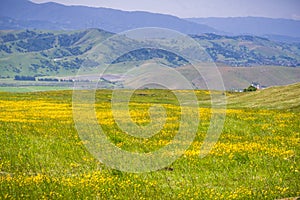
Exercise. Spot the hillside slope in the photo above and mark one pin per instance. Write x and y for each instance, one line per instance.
(237, 78)
(280, 97)
(48, 53)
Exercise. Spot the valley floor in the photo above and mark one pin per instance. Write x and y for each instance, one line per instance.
(255, 157)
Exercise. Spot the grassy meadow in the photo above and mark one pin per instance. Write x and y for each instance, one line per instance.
(256, 156)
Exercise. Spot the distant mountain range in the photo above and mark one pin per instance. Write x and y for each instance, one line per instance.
(23, 14)
(286, 30)
(20, 14)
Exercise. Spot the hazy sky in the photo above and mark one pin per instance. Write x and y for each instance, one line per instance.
(200, 8)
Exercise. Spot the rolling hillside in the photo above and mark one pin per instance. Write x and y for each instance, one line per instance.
(237, 78)
(280, 97)
(62, 53)
(54, 53)
(40, 53)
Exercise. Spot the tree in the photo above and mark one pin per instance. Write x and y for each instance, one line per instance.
(24, 78)
(250, 89)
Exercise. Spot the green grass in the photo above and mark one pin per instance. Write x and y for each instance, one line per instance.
(10, 85)
(256, 156)
(279, 97)
(31, 89)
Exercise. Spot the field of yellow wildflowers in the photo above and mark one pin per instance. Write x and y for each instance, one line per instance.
(42, 156)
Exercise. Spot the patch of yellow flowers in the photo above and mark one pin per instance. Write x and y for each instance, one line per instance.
(274, 141)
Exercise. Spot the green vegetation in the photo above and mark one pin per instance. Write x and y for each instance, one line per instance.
(24, 78)
(280, 97)
(52, 53)
(256, 156)
(44, 53)
(33, 88)
(250, 89)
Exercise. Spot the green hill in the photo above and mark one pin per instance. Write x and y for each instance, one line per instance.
(48, 53)
(280, 97)
(61, 53)
(238, 78)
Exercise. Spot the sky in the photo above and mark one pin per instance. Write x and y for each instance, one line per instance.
(289, 9)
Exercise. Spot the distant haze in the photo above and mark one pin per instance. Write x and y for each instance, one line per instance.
(289, 9)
